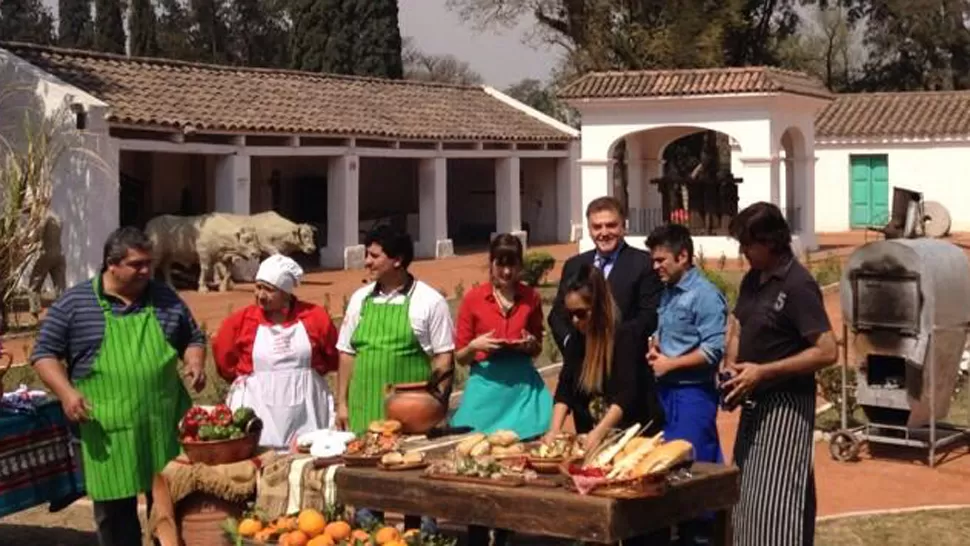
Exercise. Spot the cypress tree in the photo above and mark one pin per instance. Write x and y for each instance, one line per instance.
(323, 36)
(141, 26)
(75, 27)
(210, 35)
(377, 47)
(109, 30)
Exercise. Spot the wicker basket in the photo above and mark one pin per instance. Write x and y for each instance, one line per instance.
(650, 485)
(217, 452)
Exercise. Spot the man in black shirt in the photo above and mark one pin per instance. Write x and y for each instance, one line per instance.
(780, 337)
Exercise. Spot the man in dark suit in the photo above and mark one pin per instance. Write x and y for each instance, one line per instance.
(629, 271)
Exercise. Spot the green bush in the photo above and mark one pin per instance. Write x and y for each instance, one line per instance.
(535, 267)
(729, 289)
(828, 271)
(830, 383)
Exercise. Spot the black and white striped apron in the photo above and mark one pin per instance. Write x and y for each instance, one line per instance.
(775, 452)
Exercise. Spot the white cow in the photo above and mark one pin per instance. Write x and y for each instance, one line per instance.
(277, 235)
(207, 240)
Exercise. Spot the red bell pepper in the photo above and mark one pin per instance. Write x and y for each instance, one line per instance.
(221, 416)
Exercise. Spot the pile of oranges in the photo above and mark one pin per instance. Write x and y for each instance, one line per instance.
(310, 528)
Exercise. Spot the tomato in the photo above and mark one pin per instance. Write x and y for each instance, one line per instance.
(221, 416)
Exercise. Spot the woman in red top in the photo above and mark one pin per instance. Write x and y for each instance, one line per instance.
(276, 353)
(499, 333)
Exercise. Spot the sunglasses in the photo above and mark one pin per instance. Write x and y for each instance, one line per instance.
(578, 314)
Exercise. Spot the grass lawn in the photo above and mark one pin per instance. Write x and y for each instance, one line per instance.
(930, 528)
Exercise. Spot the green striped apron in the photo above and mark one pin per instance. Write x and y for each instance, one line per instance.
(388, 353)
(137, 398)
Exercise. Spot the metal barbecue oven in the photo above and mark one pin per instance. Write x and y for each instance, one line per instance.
(906, 303)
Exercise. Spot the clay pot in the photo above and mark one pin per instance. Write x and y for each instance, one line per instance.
(200, 517)
(414, 405)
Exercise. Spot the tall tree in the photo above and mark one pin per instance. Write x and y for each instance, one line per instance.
(259, 32)
(26, 21)
(173, 36)
(534, 93)
(913, 45)
(377, 44)
(829, 47)
(436, 68)
(142, 28)
(323, 36)
(209, 35)
(109, 29)
(75, 27)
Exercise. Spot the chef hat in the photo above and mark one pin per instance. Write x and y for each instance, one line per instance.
(281, 272)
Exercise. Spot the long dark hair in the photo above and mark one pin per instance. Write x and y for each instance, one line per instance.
(604, 317)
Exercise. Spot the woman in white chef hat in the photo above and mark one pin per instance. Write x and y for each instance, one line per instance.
(275, 353)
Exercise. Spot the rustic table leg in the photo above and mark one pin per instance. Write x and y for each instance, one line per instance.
(723, 528)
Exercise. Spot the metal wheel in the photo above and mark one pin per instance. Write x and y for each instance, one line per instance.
(844, 446)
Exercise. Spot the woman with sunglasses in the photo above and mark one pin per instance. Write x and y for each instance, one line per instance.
(605, 382)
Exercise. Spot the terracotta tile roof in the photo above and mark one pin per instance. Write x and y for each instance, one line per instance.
(918, 115)
(700, 81)
(166, 93)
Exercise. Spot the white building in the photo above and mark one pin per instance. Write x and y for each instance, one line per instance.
(829, 161)
(452, 164)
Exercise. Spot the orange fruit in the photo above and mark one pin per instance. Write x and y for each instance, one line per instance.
(360, 537)
(386, 535)
(249, 527)
(338, 530)
(322, 540)
(286, 523)
(411, 533)
(297, 538)
(311, 522)
(398, 542)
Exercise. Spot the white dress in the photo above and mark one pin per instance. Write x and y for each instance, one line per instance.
(288, 395)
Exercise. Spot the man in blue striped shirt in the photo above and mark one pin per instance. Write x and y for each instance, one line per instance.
(120, 330)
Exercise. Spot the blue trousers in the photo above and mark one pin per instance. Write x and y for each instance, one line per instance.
(691, 412)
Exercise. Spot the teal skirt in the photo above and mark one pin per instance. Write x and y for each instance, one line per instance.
(505, 393)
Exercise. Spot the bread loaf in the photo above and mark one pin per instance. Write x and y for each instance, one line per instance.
(465, 447)
(481, 448)
(392, 458)
(514, 449)
(503, 438)
(665, 457)
(413, 457)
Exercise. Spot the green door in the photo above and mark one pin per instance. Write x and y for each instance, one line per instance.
(869, 191)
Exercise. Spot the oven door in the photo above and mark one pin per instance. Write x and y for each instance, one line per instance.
(886, 302)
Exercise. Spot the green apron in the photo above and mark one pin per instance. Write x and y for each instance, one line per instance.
(388, 352)
(137, 399)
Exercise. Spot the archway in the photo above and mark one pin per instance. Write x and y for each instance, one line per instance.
(680, 173)
(795, 178)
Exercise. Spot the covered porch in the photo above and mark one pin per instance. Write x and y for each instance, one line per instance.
(758, 135)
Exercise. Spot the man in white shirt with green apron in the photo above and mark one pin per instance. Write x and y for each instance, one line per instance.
(395, 330)
(121, 336)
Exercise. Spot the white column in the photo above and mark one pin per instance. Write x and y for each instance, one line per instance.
(804, 188)
(569, 227)
(433, 241)
(759, 181)
(233, 183)
(508, 199)
(343, 250)
(597, 181)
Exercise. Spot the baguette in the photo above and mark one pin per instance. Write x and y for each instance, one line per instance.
(413, 457)
(393, 458)
(626, 462)
(465, 447)
(514, 449)
(606, 456)
(664, 457)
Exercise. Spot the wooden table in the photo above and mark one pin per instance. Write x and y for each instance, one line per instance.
(553, 512)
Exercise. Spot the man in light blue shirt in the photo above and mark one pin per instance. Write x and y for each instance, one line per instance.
(685, 352)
